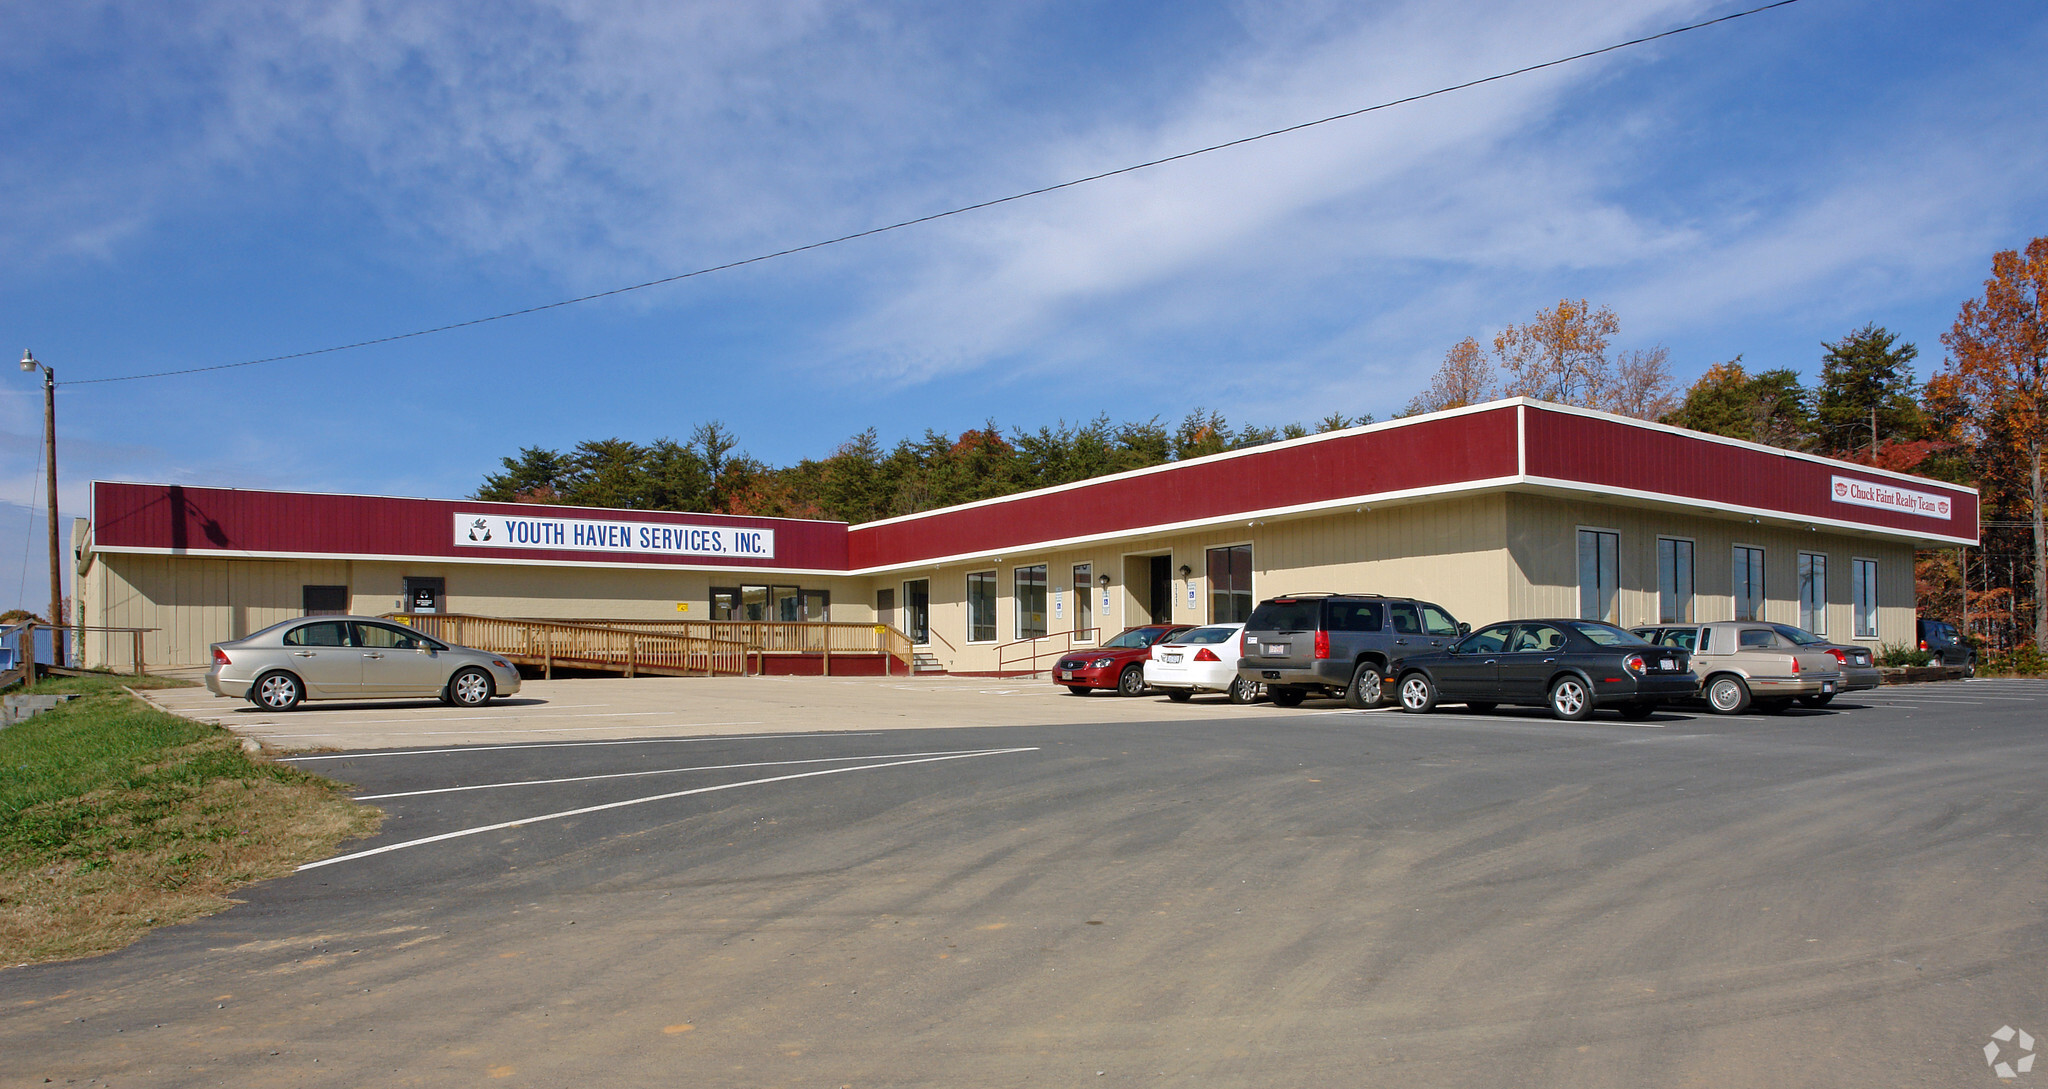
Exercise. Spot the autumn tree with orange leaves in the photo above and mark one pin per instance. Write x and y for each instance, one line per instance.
(1998, 361)
(1561, 356)
(1467, 377)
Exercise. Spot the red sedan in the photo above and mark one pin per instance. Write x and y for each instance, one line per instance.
(1118, 664)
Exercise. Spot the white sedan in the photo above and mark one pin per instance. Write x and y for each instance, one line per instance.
(1201, 660)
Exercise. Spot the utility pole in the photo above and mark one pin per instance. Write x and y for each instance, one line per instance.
(57, 622)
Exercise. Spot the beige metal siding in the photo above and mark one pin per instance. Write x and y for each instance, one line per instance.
(1543, 543)
(1450, 552)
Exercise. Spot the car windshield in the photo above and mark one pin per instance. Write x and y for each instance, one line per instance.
(1607, 635)
(1136, 637)
(1799, 636)
(1207, 635)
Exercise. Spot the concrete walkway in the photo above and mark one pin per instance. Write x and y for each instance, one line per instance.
(611, 707)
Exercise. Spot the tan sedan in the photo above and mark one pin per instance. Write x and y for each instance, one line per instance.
(353, 657)
(1742, 663)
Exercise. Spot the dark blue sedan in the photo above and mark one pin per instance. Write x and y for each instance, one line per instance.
(1569, 666)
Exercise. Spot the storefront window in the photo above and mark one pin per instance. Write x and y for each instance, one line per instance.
(1028, 595)
(754, 603)
(1674, 581)
(981, 606)
(1865, 578)
(1813, 592)
(1749, 583)
(1230, 584)
(1599, 574)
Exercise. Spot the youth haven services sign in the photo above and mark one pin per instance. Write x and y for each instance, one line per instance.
(1865, 493)
(611, 536)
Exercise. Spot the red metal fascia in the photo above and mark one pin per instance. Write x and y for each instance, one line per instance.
(1427, 453)
(200, 520)
(1608, 453)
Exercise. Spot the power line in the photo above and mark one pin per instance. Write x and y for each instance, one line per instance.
(872, 231)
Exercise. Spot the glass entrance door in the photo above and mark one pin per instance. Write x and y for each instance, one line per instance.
(917, 610)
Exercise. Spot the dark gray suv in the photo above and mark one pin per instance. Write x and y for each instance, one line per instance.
(1338, 644)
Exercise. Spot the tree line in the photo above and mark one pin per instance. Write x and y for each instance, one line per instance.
(1980, 420)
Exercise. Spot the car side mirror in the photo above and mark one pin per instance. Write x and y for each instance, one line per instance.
(1464, 629)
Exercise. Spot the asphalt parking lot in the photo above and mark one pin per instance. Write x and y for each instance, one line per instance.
(1137, 893)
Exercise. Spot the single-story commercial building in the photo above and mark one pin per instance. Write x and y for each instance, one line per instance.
(1509, 509)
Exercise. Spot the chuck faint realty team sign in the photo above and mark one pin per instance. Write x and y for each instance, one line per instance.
(1865, 493)
(609, 535)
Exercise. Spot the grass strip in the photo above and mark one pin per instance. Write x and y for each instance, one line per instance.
(116, 817)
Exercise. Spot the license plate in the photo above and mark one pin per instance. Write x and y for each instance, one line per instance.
(1827, 687)
(1066, 674)
(1276, 650)
(1667, 663)
(1170, 659)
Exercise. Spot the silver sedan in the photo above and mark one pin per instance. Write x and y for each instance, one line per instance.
(353, 657)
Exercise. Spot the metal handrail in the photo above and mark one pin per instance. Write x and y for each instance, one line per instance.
(1003, 660)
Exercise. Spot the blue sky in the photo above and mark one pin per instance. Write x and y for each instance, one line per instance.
(192, 183)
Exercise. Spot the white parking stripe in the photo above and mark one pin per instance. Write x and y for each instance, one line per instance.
(666, 771)
(389, 847)
(475, 730)
(576, 744)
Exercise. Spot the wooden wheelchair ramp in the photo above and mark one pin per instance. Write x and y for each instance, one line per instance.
(547, 644)
(674, 648)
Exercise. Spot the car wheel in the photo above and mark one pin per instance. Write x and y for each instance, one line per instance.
(1970, 668)
(1243, 691)
(1639, 710)
(1776, 705)
(1077, 690)
(1285, 697)
(277, 691)
(1179, 695)
(1727, 695)
(1131, 682)
(1570, 700)
(1480, 706)
(470, 687)
(1418, 696)
(1367, 687)
(1821, 700)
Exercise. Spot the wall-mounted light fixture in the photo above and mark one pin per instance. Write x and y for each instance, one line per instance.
(1103, 580)
(1185, 570)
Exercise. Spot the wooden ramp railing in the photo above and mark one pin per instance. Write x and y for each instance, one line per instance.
(776, 637)
(599, 645)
